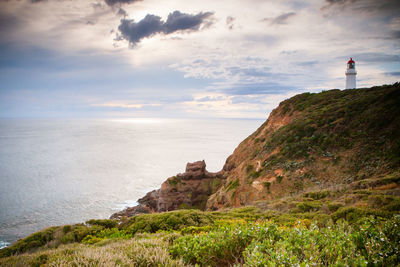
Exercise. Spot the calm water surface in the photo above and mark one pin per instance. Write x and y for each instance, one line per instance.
(55, 172)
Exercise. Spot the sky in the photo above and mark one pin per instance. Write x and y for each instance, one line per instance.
(191, 59)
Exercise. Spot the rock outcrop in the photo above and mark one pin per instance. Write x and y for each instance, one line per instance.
(190, 189)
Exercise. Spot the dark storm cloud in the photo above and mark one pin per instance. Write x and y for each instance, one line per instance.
(147, 27)
(151, 25)
(178, 21)
(114, 2)
(281, 19)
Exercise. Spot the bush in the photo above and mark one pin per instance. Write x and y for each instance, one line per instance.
(334, 206)
(378, 240)
(317, 194)
(221, 247)
(31, 242)
(106, 223)
(310, 247)
(308, 206)
(167, 221)
(268, 244)
(196, 229)
(233, 185)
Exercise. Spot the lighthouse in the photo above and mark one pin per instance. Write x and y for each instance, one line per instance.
(351, 74)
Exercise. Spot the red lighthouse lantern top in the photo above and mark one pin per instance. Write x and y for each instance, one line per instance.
(351, 64)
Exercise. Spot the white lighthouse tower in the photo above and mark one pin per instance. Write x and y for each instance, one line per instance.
(351, 74)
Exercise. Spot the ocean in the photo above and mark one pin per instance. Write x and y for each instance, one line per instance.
(64, 171)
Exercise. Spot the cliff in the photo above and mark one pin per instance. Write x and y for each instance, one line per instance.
(310, 142)
(190, 189)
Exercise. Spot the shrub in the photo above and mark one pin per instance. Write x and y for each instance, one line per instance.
(68, 238)
(113, 233)
(31, 242)
(334, 206)
(350, 214)
(310, 247)
(255, 174)
(106, 223)
(317, 194)
(89, 239)
(196, 229)
(267, 185)
(174, 180)
(233, 185)
(249, 168)
(221, 247)
(167, 221)
(378, 240)
(308, 206)
(67, 228)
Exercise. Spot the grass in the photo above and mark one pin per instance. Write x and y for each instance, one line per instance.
(142, 251)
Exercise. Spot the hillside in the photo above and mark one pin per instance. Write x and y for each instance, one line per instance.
(314, 141)
(318, 183)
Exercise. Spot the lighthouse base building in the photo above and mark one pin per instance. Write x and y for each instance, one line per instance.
(351, 74)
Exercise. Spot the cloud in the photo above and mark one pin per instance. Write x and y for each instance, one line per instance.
(121, 12)
(178, 21)
(393, 73)
(147, 27)
(125, 105)
(114, 2)
(376, 57)
(152, 24)
(396, 34)
(281, 19)
(229, 22)
(365, 6)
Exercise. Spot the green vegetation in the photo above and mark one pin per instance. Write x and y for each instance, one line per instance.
(317, 195)
(247, 237)
(268, 244)
(175, 220)
(232, 185)
(316, 231)
(174, 180)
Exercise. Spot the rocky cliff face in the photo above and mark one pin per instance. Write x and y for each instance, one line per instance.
(309, 142)
(190, 189)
